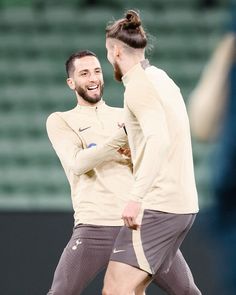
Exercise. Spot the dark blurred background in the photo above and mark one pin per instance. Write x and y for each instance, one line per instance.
(36, 37)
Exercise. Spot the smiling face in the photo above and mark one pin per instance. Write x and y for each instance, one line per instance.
(87, 80)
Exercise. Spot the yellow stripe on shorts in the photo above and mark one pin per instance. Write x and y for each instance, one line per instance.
(139, 252)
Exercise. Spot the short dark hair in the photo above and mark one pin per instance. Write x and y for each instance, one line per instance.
(70, 61)
(128, 30)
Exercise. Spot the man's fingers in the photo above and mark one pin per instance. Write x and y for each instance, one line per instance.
(124, 151)
(127, 152)
(121, 151)
(126, 222)
(130, 223)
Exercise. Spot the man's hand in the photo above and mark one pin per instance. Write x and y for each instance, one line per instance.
(125, 151)
(130, 214)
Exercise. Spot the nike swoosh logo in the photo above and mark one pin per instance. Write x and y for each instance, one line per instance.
(83, 129)
(118, 251)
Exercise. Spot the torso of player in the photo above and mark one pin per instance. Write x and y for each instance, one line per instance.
(174, 189)
(98, 196)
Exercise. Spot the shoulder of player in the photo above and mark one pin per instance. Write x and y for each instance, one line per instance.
(54, 122)
(157, 73)
(138, 87)
(159, 76)
(59, 118)
(153, 80)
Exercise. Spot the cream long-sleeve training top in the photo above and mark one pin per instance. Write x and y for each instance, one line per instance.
(86, 140)
(159, 137)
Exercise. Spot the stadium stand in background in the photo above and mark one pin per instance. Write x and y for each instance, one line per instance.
(36, 37)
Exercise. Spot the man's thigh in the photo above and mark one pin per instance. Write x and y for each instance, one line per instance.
(123, 279)
(154, 245)
(86, 254)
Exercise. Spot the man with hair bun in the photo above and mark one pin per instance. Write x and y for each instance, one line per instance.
(91, 146)
(162, 202)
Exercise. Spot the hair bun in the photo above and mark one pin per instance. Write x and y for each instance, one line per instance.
(133, 20)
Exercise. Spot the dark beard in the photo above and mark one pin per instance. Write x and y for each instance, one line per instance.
(117, 72)
(88, 98)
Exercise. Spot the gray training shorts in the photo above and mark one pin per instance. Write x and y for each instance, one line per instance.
(152, 247)
(88, 252)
